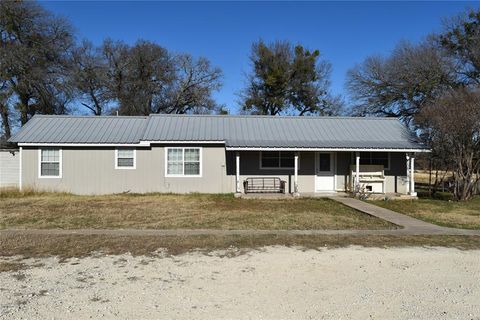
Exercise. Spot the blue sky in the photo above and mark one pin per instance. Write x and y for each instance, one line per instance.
(344, 32)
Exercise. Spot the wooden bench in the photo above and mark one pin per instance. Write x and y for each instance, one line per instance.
(264, 185)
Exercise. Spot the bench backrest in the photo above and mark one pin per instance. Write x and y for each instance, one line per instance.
(369, 170)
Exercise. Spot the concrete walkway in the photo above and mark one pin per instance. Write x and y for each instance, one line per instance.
(409, 226)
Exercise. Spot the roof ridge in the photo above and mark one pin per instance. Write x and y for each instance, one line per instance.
(268, 116)
(213, 116)
(85, 116)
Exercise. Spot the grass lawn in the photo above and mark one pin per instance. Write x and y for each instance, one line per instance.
(423, 176)
(168, 211)
(464, 215)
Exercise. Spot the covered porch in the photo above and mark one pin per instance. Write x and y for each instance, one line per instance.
(320, 172)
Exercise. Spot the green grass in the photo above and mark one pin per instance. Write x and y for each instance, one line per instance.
(170, 211)
(463, 214)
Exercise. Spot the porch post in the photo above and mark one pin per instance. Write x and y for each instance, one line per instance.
(357, 169)
(237, 172)
(408, 173)
(412, 176)
(295, 176)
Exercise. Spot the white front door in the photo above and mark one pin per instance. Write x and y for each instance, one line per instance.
(325, 178)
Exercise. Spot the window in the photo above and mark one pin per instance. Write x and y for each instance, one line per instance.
(50, 163)
(183, 162)
(379, 158)
(324, 162)
(277, 159)
(125, 158)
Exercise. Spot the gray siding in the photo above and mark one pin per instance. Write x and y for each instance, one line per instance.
(342, 170)
(92, 171)
(396, 177)
(9, 168)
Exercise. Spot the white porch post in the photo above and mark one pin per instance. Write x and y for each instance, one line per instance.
(357, 170)
(408, 173)
(237, 172)
(295, 176)
(412, 176)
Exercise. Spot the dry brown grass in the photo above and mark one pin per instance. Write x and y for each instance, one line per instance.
(423, 176)
(11, 266)
(168, 211)
(464, 214)
(66, 246)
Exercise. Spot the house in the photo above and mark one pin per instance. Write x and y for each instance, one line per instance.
(9, 167)
(216, 154)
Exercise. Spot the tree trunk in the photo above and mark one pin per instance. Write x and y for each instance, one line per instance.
(430, 177)
(5, 121)
(24, 108)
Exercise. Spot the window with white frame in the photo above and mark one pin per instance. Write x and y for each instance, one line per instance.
(183, 162)
(379, 158)
(50, 165)
(125, 158)
(277, 159)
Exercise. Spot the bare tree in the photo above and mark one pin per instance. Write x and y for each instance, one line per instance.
(34, 61)
(401, 84)
(452, 123)
(5, 110)
(191, 90)
(90, 78)
(137, 75)
(146, 79)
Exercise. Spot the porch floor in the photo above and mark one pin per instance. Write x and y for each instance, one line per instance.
(290, 195)
(373, 196)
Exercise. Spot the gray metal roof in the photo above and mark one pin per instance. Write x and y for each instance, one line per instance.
(75, 129)
(235, 131)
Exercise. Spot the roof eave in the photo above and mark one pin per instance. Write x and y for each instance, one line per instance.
(326, 149)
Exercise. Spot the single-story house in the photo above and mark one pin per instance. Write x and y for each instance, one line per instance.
(216, 154)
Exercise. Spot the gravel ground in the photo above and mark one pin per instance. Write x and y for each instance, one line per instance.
(273, 283)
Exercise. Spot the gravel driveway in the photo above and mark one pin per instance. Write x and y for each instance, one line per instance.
(273, 283)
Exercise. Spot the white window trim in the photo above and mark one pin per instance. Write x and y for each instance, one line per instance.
(277, 168)
(60, 164)
(387, 168)
(183, 162)
(134, 160)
